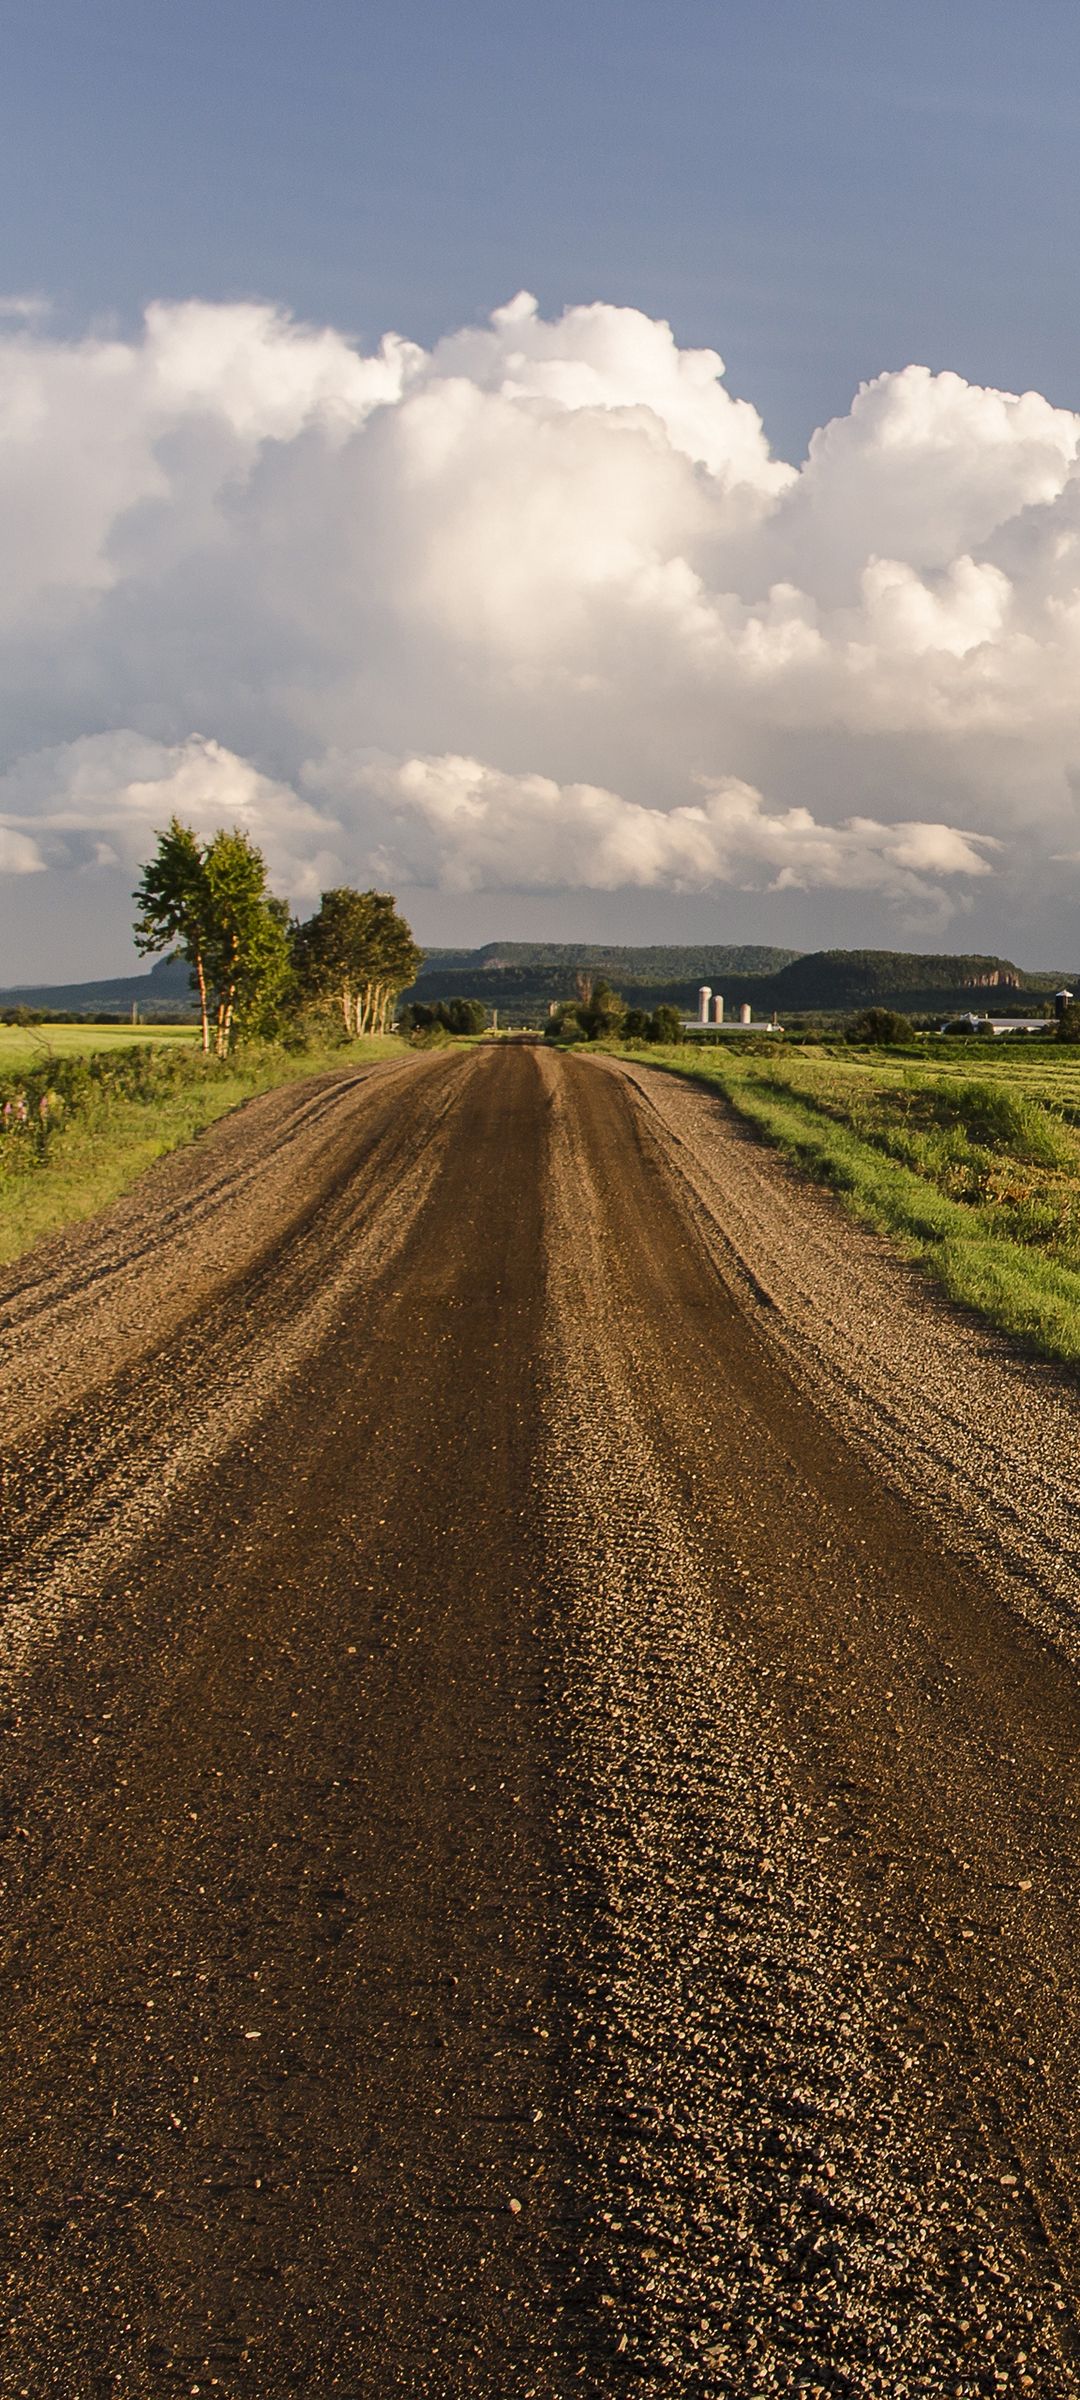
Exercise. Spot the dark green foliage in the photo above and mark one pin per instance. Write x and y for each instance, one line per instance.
(846, 979)
(356, 954)
(248, 940)
(564, 1024)
(603, 1014)
(605, 1017)
(454, 1016)
(209, 903)
(880, 1028)
(655, 964)
(1068, 1025)
(175, 910)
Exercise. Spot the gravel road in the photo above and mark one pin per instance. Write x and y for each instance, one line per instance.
(540, 1781)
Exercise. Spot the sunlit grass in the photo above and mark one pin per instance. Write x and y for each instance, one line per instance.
(95, 1144)
(29, 1045)
(971, 1163)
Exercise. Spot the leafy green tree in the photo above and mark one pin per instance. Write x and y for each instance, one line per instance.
(604, 1014)
(394, 962)
(460, 1016)
(465, 1016)
(210, 900)
(564, 1023)
(358, 953)
(173, 900)
(1068, 1024)
(248, 952)
(665, 1023)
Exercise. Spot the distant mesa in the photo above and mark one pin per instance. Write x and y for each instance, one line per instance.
(521, 979)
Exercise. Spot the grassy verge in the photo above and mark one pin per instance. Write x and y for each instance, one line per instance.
(970, 1163)
(108, 1115)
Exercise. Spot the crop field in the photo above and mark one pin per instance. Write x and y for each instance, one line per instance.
(970, 1158)
(24, 1046)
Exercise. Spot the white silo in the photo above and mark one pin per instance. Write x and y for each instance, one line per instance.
(745, 1013)
(718, 1009)
(703, 999)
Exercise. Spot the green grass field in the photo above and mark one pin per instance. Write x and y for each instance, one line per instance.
(968, 1155)
(23, 1046)
(136, 1096)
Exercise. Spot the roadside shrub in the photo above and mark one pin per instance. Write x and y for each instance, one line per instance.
(430, 1037)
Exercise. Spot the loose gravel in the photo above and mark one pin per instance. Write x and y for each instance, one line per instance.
(528, 1865)
(951, 1412)
(797, 2194)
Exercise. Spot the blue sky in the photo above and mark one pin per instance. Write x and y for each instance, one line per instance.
(529, 618)
(818, 188)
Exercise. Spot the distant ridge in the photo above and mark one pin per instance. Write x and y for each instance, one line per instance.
(606, 958)
(165, 992)
(521, 978)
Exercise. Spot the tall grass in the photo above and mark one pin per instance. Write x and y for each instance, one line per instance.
(972, 1168)
(107, 1116)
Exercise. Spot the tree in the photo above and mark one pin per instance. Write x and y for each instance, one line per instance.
(357, 952)
(173, 899)
(604, 1014)
(563, 1024)
(211, 900)
(880, 1028)
(393, 963)
(248, 949)
(458, 1016)
(1068, 1024)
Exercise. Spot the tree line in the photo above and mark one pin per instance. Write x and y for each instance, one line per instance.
(600, 1014)
(255, 968)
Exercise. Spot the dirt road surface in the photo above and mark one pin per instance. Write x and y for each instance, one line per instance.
(540, 1780)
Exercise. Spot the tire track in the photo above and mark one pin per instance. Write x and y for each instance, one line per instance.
(525, 1869)
(814, 2167)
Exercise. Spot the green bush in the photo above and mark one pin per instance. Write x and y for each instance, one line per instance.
(879, 1028)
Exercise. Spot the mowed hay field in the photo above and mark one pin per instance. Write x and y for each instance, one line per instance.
(23, 1046)
(967, 1153)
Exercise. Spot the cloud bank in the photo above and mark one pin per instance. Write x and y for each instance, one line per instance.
(537, 610)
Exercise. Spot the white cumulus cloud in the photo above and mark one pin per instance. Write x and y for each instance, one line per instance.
(533, 610)
(97, 802)
(456, 822)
